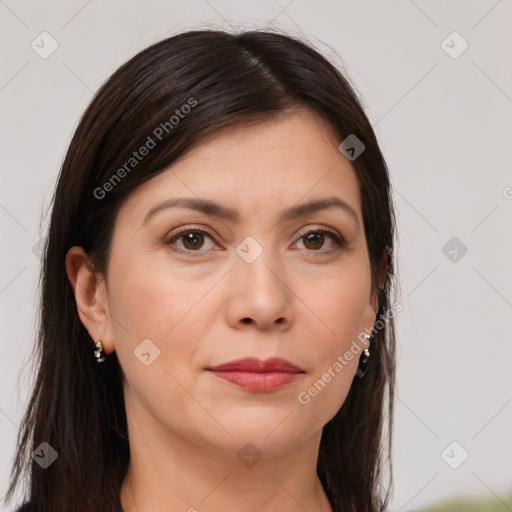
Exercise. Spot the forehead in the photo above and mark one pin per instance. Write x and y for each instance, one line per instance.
(299, 134)
(257, 167)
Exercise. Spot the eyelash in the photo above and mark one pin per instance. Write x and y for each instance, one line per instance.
(339, 240)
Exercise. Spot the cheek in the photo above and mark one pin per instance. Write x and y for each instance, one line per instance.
(156, 331)
(344, 311)
(152, 300)
(152, 303)
(343, 306)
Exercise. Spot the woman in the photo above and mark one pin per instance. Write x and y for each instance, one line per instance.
(215, 313)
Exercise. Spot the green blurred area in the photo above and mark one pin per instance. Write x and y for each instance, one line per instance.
(503, 504)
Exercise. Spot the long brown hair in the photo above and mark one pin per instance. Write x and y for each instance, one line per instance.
(77, 406)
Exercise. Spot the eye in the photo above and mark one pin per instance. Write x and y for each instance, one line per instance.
(192, 240)
(314, 239)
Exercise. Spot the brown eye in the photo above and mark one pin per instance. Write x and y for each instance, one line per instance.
(315, 240)
(190, 241)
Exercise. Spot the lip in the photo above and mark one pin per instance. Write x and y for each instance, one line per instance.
(254, 365)
(255, 375)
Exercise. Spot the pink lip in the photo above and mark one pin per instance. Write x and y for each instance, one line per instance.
(256, 375)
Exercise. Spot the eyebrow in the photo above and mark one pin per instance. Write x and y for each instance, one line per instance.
(222, 212)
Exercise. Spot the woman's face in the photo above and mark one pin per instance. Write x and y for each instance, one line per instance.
(249, 284)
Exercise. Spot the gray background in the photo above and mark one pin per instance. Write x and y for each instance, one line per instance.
(445, 127)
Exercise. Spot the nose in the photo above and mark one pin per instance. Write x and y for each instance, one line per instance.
(259, 294)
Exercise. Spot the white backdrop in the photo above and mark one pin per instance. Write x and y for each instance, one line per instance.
(437, 84)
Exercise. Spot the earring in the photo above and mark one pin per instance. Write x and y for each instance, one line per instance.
(99, 353)
(363, 360)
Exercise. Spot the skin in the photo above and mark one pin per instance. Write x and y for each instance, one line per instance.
(297, 301)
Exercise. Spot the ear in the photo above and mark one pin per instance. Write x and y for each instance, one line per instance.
(91, 297)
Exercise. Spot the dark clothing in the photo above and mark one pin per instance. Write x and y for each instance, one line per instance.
(24, 508)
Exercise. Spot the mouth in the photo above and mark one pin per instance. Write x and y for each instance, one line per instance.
(255, 375)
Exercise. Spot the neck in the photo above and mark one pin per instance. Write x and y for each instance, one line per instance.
(169, 472)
